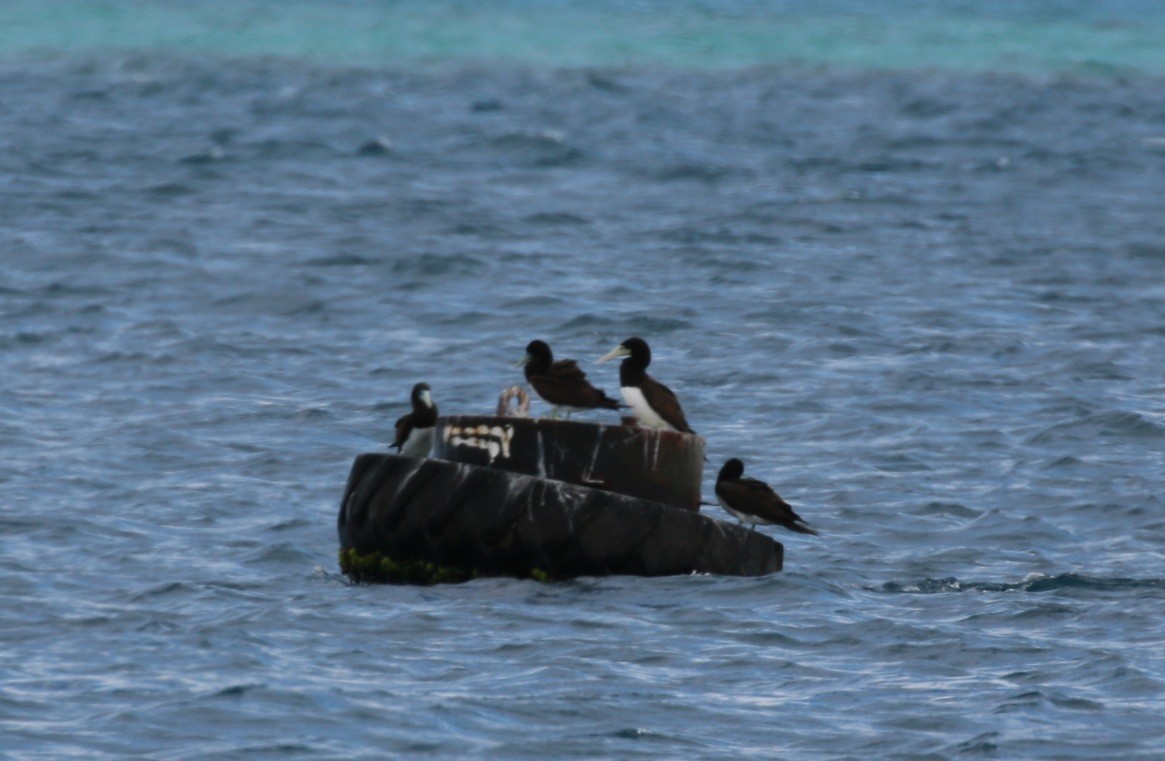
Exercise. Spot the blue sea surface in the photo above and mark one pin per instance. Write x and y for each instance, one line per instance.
(905, 259)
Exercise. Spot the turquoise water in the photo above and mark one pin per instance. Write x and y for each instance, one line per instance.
(1028, 37)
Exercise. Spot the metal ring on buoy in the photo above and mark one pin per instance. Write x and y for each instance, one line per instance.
(523, 407)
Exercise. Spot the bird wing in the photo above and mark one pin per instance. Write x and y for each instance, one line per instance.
(666, 404)
(567, 370)
(565, 383)
(777, 505)
(403, 426)
(763, 493)
(764, 501)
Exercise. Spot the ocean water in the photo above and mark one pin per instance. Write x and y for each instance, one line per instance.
(905, 259)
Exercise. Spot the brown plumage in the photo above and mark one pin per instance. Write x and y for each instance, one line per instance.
(654, 404)
(562, 383)
(753, 501)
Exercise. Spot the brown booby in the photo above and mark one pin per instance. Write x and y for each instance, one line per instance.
(654, 404)
(561, 384)
(414, 431)
(753, 501)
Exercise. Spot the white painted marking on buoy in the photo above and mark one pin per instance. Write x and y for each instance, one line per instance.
(495, 440)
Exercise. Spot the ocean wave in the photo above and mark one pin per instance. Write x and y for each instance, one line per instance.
(1110, 423)
(534, 149)
(1034, 583)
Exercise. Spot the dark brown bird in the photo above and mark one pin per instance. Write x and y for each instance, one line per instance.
(561, 384)
(654, 404)
(753, 501)
(414, 431)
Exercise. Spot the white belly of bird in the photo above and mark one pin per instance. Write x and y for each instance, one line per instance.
(647, 417)
(419, 442)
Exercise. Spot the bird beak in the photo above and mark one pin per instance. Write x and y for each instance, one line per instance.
(427, 398)
(523, 361)
(618, 351)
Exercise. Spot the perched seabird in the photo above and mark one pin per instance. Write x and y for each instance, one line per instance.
(753, 501)
(414, 431)
(654, 404)
(562, 383)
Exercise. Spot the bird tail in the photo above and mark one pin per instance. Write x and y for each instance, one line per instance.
(608, 403)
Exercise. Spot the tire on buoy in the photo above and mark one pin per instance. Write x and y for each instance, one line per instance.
(456, 520)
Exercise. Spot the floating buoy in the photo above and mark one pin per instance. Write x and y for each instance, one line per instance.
(540, 498)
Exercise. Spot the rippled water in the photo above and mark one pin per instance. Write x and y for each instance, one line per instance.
(926, 305)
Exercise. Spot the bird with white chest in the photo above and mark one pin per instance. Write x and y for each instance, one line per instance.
(414, 430)
(653, 404)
